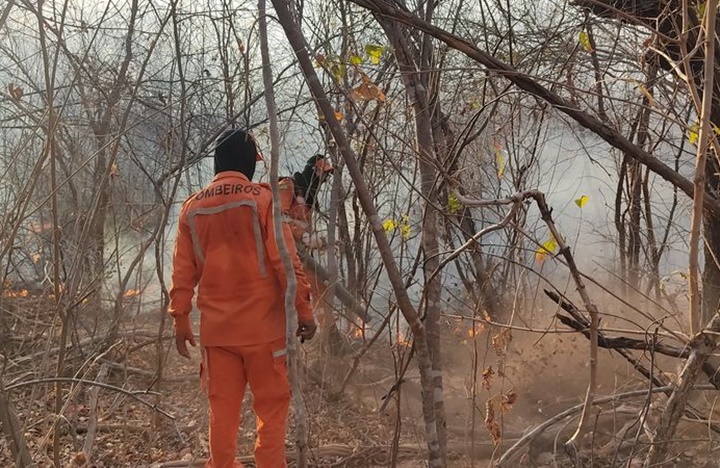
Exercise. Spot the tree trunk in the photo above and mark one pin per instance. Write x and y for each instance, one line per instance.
(297, 41)
(711, 228)
(291, 283)
(417, 93)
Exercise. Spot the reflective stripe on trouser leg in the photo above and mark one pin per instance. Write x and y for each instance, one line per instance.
(266, 368)
(226, 388)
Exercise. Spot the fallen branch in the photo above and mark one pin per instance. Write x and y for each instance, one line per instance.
(339, 290)
(150, 374)
(507, 458)
(93, 419)
(346, 455)
(139, 428)
(15, 361)
(12, 427)
(579, 323)
(131, 394)
(701, 346)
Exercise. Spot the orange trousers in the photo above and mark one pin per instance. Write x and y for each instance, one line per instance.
(226, 373)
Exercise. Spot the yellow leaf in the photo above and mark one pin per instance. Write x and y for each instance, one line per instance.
(453, 204)
(338, 69)
(114, 170)
(585, 41)
(389, 225)
(544, 250)
(647, 94)
(580, 202)
(36, 257)
(374, 52)
(693, 133)
(500, 160)
(356, 60)
(716, 130)
(405, 227)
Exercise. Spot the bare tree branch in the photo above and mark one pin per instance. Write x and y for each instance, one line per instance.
(527, 83)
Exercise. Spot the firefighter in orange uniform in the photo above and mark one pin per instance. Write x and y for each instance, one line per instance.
(298, 195)
(226, 247)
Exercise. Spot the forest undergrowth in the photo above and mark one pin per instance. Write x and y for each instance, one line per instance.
(524, 379)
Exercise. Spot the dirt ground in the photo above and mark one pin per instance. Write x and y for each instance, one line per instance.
(524, 378)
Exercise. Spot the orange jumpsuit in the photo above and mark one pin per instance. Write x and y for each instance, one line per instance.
(298, 215)
(226, 246)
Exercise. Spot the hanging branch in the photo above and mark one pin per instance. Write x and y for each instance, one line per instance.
(301, 424)
(532, 86)
(572, 445)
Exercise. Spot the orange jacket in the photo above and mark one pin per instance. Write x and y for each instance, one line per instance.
(226, 246)
(294, 210)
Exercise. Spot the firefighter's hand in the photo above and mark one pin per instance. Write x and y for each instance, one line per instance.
(183, 334)
(306, 330)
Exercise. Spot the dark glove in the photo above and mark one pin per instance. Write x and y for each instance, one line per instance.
(306, 330)
(183, 334)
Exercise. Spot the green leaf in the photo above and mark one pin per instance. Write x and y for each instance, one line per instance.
(374, 52)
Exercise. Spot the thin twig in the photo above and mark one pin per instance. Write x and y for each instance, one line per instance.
(131, 394)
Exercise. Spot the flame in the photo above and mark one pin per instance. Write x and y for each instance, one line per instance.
(476, 329)
(131, 293)
(402, 340)
(20, 293)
